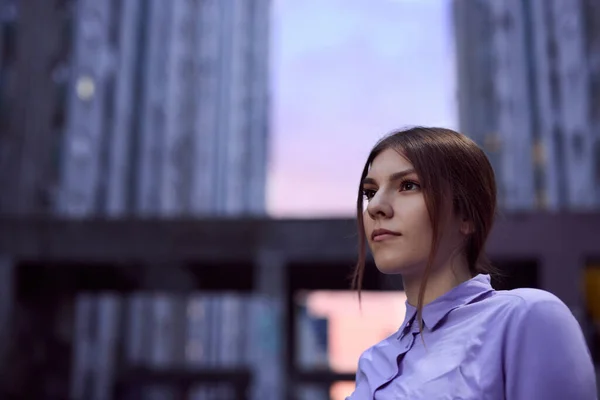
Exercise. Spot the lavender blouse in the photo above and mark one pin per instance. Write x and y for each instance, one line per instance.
(481, 344)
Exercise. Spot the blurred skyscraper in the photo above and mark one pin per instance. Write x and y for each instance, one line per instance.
(164, 109)
(134, 108)
(529, 93)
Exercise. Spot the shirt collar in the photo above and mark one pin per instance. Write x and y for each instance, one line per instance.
(458, 296)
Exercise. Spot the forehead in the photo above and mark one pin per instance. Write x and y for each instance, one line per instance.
(388, 162)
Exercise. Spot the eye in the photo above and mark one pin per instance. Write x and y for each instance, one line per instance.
(368, 193)
(409, 186)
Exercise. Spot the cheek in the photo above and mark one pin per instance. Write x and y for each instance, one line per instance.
(416, 226)
(420, 241)
(412, 213)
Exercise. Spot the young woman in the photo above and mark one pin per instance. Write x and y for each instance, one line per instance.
(426, 205)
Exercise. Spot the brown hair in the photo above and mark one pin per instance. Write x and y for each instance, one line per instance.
(443, 159)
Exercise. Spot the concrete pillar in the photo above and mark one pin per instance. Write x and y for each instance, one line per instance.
(269, 330)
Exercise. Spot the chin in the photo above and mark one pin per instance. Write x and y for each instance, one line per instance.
(393, 270)
(393, 263)
(390, 265)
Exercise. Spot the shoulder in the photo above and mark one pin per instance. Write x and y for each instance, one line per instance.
(529, 296)
(531, 308)
(530, 314)
(523, 301)
(378, 356)
(379, 348)
(544, 342)
(375, 366)
(526, 302)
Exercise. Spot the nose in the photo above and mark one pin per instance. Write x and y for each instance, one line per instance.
(379, 208)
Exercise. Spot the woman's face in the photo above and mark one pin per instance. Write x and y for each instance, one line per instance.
(397, 224)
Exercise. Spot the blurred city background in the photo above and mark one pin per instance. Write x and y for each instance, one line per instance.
(178, 180)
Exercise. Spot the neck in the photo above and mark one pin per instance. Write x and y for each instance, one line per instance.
(441, 280)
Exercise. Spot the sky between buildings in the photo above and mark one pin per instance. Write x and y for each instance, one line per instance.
(344, 73)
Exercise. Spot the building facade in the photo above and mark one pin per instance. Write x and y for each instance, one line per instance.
(134, 107)
(167, 109)
(526, 74)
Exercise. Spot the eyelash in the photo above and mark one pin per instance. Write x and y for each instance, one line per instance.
(368, 194)
(410, 182)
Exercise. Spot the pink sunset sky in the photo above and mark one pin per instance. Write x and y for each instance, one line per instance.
(344, 73)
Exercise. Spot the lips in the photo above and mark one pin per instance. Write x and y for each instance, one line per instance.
(383, 234)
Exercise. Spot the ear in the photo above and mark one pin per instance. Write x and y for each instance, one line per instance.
(466, 226)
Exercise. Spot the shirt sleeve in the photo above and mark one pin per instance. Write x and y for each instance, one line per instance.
(546, 355)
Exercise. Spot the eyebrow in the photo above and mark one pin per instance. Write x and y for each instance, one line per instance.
(396, 176)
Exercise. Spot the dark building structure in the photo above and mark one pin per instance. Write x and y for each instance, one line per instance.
(46, 262)
(33, 82)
